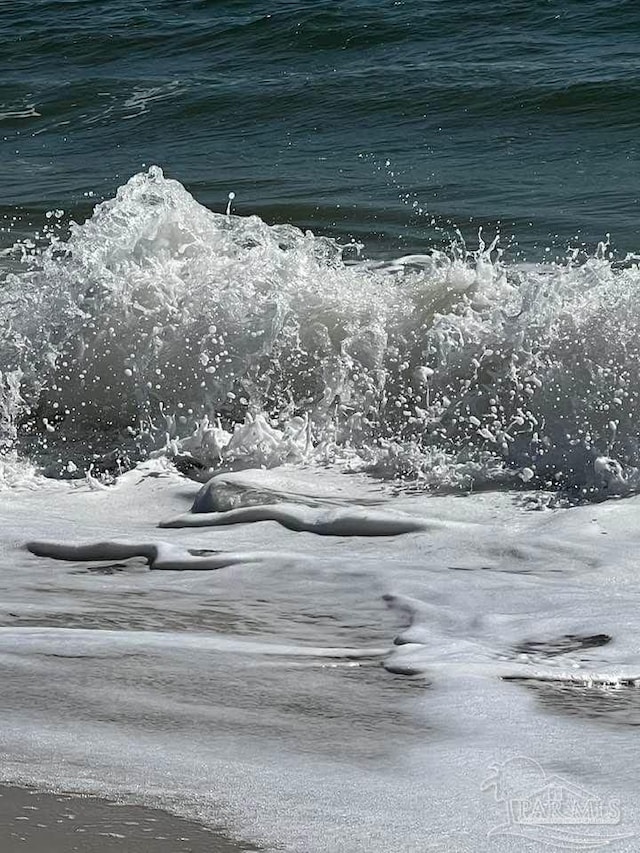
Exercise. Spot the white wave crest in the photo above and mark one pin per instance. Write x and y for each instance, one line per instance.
(224, 337)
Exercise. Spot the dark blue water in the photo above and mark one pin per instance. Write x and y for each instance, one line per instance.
(392, 122)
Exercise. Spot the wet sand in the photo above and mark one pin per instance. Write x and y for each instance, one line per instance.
(32, 822)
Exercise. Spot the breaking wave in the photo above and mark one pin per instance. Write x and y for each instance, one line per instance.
(161, 325)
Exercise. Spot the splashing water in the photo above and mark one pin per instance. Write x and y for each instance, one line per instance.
(160, 323)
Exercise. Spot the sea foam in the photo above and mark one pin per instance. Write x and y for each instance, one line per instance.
(159, 325)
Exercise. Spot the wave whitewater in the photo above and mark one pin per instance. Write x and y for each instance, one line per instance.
(161, 324)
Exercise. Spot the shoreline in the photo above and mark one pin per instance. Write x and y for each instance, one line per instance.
(36, 822)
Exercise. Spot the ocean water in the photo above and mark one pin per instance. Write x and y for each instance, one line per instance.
(319, 405)
(391, 122)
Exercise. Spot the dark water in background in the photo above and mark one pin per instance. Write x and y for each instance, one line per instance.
(387, 121)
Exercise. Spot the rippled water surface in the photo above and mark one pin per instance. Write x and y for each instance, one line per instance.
(383, 121)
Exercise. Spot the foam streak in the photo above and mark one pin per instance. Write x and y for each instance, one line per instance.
(335, 522)
(160, 555)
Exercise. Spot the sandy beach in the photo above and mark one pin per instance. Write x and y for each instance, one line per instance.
(34, 822)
